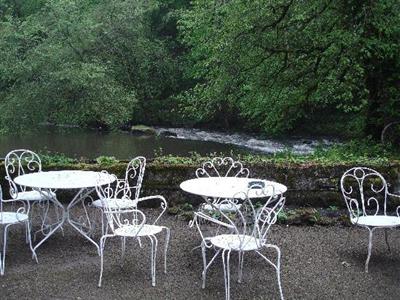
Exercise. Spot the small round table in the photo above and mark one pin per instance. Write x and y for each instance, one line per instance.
(84, 182)
(229, 187)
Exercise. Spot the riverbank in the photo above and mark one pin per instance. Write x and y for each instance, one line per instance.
(317, 263)
(151, 141)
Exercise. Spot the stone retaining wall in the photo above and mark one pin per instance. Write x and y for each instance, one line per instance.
(308, 184)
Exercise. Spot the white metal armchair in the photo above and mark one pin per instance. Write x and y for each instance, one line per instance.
(128, 189)
(20, 162)
(365, 192)
(127, 222)
(246, 230)
(10, 218)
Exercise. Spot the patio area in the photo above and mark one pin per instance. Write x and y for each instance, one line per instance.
(317, 263)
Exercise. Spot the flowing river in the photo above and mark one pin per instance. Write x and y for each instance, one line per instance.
(78, 142)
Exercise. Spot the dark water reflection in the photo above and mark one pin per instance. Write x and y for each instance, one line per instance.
(77, 142)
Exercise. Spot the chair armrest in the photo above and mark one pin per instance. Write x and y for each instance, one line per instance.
(213, 220)
(394, 195)
(163, 204)
(196, 221)
(159, 197)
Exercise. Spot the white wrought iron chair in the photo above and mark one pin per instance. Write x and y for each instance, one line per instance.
(246, 230)
(20, 162)
(221, 167)
(365, 192)
(10, 218)
(128, 222)
(128, 188)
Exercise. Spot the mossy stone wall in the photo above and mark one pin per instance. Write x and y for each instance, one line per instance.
(308, 184)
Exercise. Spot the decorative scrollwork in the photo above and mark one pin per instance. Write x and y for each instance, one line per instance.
(126, 215)
(134, 175)
(222, 167)
(364, 189)
(354, 209)
(19, 162)
(245, 220)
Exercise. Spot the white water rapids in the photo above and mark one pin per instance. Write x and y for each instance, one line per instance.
(297, 145)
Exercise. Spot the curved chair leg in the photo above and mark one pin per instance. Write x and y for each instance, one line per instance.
(166, 248)
(29, 237)
(123, 247)
(278, 270)
(154, 243)
(102, 244)
(204, 256)
(225, 261)
(3, 256)
(102, 222)
(240, 269)
(386, 239)
(369, 248)
(277, 266)
(205, 265)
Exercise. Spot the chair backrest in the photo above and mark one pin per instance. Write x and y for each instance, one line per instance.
(118, 216)
(222, 167)
(249, 219)
(19, 162)
(134, 175)
(364, 191)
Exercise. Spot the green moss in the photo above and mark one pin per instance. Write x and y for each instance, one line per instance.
(143, 130)
(312, 180)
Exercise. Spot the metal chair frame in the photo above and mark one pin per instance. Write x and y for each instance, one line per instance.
(247, 230)
(10, 218)
(128, 222)
(128, 188)
(22, 161)
(366, 201)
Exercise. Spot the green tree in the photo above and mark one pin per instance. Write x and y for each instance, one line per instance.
(81, 62)
(278, 64)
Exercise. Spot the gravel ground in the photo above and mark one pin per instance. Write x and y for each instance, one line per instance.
(317, 263)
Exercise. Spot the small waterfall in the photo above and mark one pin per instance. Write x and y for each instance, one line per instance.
(296, 145)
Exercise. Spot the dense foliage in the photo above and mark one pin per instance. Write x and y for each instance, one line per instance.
(280, 63)
(266, 66)
(80, 62)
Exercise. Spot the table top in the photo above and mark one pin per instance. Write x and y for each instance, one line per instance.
(64, 179)
(230, 187)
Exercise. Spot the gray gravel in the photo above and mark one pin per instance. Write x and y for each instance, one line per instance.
(317, 263)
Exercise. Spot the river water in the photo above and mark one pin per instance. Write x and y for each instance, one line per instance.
(78, 142)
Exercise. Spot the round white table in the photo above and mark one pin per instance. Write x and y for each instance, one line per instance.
(215, 189)
(230, 187)
(83, 181)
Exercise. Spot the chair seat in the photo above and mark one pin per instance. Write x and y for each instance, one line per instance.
(224, 207)
(34, 195)
(235, 242)
(12, 217)
(132, 230)
(116, 203)
(377, 221)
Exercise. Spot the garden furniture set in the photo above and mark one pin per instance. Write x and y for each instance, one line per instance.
(236, 214)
